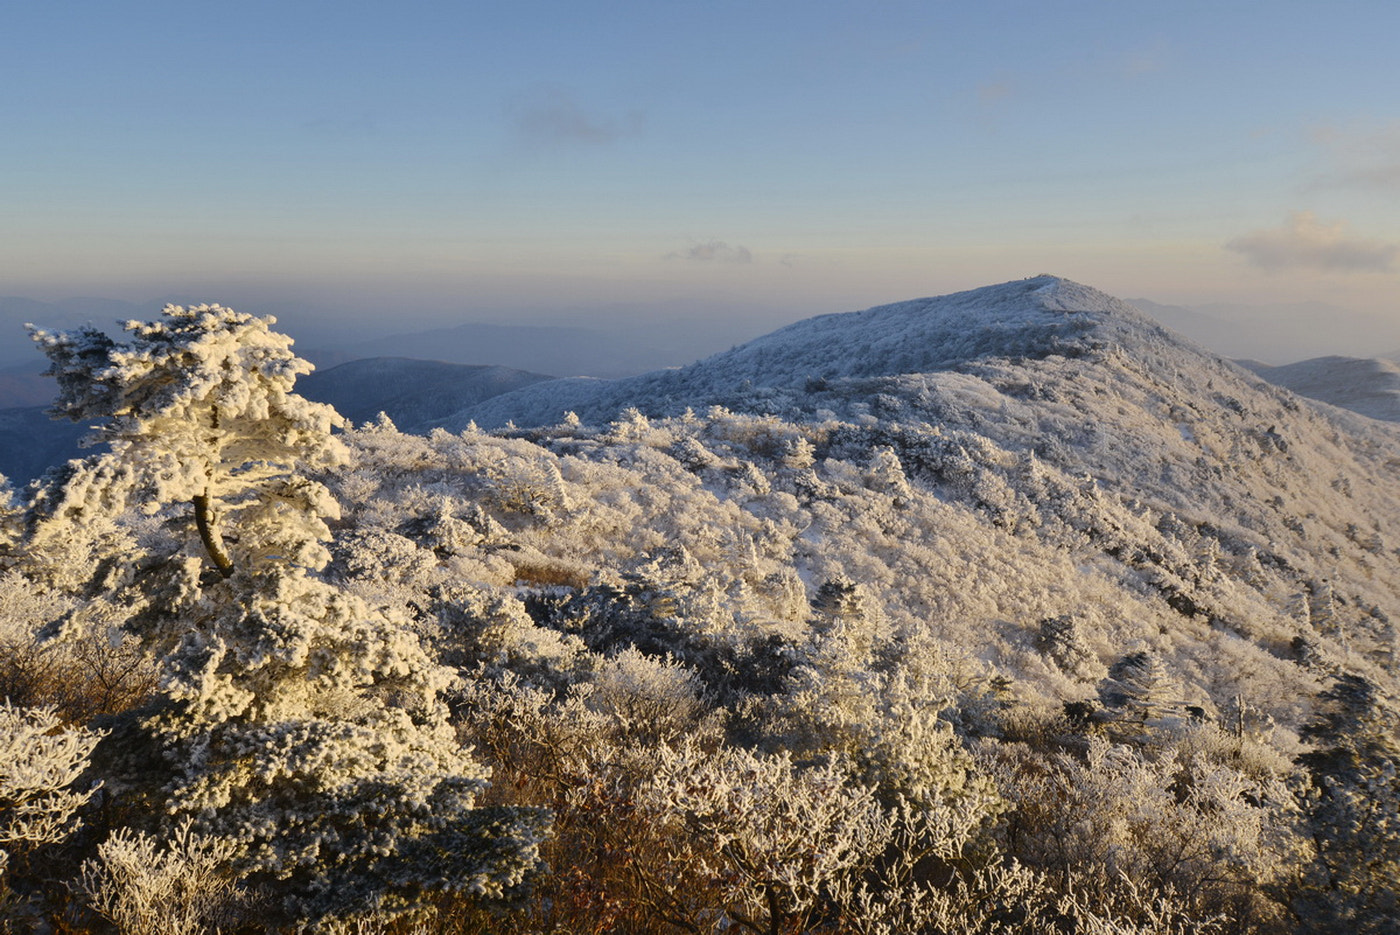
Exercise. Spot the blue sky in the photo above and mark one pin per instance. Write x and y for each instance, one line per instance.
(775, 159)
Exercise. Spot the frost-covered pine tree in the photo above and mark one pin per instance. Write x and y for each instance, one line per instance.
(1139, 688)
(1353, 811)
(1062, 639)
(9, 519)
(1322, 607)
(886, 474)
(294, 720)
(198, 408)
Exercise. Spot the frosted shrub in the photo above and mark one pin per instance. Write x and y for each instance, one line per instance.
(39, 763)
(773, 839)
(1353, 811)
(586, 755)
(183, 887)
(749, 480)
(447, 534)
(379, 556)
(1206, 832)
(9, 519)
(654, 700)
(1011, 899)
(690, 452)
(629, 426)
(541, 740)
(891, 714)
(71, 536)
(96, 671)
(531, 487)
(482, 630)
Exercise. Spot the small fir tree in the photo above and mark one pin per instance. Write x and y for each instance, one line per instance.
(293, 720)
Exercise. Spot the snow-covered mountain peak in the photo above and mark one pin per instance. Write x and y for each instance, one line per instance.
(1026, 318)
(1030, 319)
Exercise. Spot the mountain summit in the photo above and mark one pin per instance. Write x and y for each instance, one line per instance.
(1031, 319)
(978, 391)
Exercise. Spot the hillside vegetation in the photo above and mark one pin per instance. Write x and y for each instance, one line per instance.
(1007, 611)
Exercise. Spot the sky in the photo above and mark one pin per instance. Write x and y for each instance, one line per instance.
(755, 162)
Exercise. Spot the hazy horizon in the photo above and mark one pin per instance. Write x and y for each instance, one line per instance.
(674, 332)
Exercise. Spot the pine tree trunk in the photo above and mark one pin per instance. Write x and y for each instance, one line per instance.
(209, 536)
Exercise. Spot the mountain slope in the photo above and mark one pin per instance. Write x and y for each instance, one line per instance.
(31, 442)
(973, 390)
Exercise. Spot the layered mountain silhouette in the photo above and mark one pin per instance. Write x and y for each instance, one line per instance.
(410, 392)
(1370, 386)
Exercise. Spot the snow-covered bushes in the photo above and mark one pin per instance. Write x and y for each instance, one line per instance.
(775, 842)
(181, 886)
(93, 672)
(1219, 840)
(1353, 812)
(40, 764)
(845, 619)
(41, 794)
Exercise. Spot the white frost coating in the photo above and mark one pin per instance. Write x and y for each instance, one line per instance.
(39, 763)
(900, 576)
(200, 405)
(297, 722)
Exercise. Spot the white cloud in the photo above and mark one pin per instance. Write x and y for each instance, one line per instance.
(1304, 242)
(715, 251)
(551, 117)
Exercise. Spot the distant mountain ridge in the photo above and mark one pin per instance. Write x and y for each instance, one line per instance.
(523, 347)
(1370, 386)
(410, 392)
(25, 385)
(31, 442)
(1276, 333)
(17, 311)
